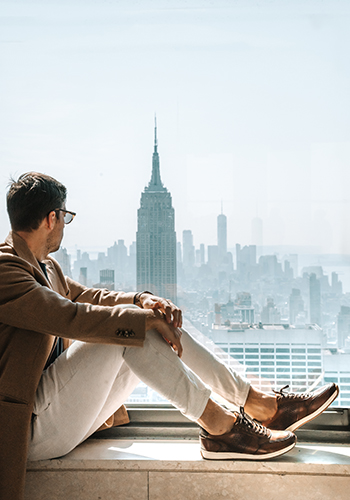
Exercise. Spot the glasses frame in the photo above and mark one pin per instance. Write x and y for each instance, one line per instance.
(67, 215)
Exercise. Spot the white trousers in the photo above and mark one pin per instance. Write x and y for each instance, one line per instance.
(88, 382)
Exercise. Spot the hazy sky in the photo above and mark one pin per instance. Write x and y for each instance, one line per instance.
(252, 103)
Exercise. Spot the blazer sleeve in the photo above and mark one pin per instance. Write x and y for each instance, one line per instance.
(27, 304)
(97, 296)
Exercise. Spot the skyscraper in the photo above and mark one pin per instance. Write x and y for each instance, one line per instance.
(257, 231)
(296, 305)
(343, 321)
(188, 258)
(315, 300)
(222, 235)
(156, 237)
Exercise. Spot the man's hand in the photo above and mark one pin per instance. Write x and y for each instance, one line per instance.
(156, 319)
(172, 313)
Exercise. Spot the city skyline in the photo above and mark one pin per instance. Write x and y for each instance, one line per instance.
(251, 98)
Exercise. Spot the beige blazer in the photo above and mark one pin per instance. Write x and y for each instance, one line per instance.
(33, 311)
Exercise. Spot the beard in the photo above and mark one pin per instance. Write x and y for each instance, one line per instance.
(54, 242)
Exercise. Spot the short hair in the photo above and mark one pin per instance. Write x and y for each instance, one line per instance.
(31, 198)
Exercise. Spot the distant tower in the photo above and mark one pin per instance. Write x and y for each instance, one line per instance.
(107, 279)
(222, 235)
(188, 249)
(296, 305)
(257, 231)
(156, 237)
(315, 300)
(343, 325)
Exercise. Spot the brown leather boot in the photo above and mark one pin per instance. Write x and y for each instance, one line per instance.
(247, 440)
(294, 410)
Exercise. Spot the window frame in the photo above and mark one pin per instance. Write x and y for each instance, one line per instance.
(164, 421)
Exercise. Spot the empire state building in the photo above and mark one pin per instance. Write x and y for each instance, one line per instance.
(156, 237)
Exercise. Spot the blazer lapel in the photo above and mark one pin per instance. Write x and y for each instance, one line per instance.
(22, 250)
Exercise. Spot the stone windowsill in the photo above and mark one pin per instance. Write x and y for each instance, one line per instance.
(173, 469)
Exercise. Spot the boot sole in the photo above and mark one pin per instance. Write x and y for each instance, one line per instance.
(313, 415)
(212, 455)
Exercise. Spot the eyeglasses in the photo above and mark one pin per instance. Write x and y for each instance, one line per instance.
(67, 217)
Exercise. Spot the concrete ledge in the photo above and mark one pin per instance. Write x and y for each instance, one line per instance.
(158, 470)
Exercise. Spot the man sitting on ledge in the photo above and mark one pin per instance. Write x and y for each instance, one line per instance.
(53, 398)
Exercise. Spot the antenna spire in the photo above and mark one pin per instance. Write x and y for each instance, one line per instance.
(155, 183)
(155, 133)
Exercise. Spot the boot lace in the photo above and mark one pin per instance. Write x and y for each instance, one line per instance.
(291, 395)
(253, 425)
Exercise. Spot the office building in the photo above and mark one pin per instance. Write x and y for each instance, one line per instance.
(222, 236)
(188, 253)
(343, 325)
(246, 259)
(315, 300)
(257, 232)
(337, 369)
(107, 279)
(272, 355)
(296, 305)
(156, 238)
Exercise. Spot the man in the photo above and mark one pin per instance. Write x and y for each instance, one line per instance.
(51, 401)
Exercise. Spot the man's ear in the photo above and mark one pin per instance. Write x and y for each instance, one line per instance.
(51, 219)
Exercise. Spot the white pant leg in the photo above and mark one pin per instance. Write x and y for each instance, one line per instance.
(224, 381)
(88, 383)
(168, 375)
(84, 386)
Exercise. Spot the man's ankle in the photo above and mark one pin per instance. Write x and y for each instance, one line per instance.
(216, 420)
(260, 406)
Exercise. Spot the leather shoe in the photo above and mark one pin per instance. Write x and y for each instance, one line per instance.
(247, 440)
(295, 410)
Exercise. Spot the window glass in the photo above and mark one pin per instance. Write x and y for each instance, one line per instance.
(234, 201)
